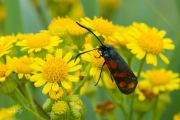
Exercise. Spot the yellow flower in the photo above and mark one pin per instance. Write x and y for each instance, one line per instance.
(9, 113)
(5, 45)
(120, 37)
(76, 30)
(148, 42)
(99, 26)
(161, 80)
(38, 42)
(21, 66)
(144, 91)
(176, 117)
(94, 58)
(55, 95)
(60, 108)
(54, 71)
(59, 26)
(5, 70)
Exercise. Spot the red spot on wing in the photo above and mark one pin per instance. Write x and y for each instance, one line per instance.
(131, 85)
(122, 84)
(112, 64)
(121, 75)
(107, 63)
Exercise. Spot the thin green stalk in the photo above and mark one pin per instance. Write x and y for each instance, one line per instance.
(114, 98)
(154, 116)
(76, 91)
(36, 108)
(29, 96)
(138, 75)
(21, 100)
(162, 18)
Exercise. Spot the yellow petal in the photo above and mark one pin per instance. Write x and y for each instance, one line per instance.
(40, 61)
(40, 82)
(20, 75)
(30, 51)
(55, 86)
(141, 54)
(93, 71)
(136, 50)
(72, 63)
(47, 88)
(149, 58)
(161, 33)
(27, 76)
(35, 77)
(2, 79)
(67, 57)
(164, 58)
(65, 84)
(36, 67)
(75, 68)
(154, 60)
(169, 46)
(72, 78)
(48, 56)
(167, 41)
(58, 53)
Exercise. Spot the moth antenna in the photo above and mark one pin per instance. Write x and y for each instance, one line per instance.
(90, 31)
(83, 53)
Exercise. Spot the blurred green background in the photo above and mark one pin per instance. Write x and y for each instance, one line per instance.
(31, 16)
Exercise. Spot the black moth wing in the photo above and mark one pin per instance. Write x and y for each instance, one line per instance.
(122, 74)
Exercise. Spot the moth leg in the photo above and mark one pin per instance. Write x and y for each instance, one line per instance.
(100, 73)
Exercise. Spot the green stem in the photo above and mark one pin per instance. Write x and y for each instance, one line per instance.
(76, 91)
(154, 116)
(29, 96)
(20, 99)
(114, 99)
(138, 75)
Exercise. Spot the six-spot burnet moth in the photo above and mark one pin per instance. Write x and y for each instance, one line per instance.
(122, 74)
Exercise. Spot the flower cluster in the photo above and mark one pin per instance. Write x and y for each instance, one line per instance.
(48, 60)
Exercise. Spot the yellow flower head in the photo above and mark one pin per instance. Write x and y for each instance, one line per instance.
(161, 80)
(119, 37)
(55, 95)
(38, 42)
(144, 91)
(5, 69)
(60, 108)
(59, 26)
(21, 66)
(54, 71)
(99, 26)
(148, 42)
(76, 30)
(6, 44)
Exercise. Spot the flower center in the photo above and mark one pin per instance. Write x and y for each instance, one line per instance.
(151, 43)
(103, 26)
(38, 40)
(60, 107)
(22, 65)
(159, 77)
(55, 70)
(3, 70)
